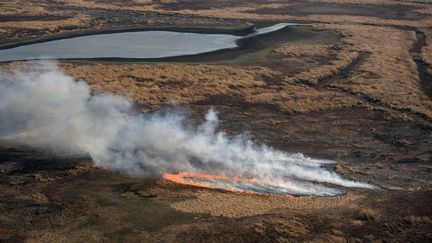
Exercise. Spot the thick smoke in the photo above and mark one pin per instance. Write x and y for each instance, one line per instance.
(43, 108)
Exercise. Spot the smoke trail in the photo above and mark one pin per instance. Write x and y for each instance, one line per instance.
(46, 109)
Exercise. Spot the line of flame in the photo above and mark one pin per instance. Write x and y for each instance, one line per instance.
(179, 179)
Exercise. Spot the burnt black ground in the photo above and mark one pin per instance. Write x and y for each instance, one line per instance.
(50, 196)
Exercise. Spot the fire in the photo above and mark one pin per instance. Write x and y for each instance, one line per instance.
(231, 184)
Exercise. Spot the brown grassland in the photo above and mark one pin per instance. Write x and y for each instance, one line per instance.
(355, 86)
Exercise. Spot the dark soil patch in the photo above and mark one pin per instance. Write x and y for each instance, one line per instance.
(17, 18)
(370, 10)
(343, 73)
(368, 142)
(199, 4)
(422, 67)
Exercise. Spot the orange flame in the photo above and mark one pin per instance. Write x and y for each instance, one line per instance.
(179, 178)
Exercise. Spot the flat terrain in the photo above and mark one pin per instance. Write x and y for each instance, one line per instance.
(352, 83)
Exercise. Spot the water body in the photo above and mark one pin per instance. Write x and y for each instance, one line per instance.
(140, 45)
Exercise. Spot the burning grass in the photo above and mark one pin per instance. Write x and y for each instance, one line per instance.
(250, 186)
(97, 210)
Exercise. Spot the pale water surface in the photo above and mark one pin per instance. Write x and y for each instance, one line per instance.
(142, 44)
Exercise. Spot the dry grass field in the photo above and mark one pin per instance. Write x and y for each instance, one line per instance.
(351, 83)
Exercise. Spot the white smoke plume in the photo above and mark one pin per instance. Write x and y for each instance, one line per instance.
(46, 109)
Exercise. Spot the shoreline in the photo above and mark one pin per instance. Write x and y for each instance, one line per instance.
(243, 43)
(236, 30)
